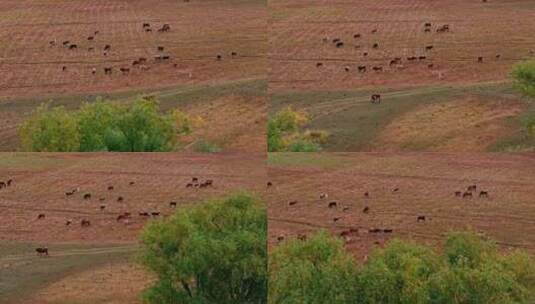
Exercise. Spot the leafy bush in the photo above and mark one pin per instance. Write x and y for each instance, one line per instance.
(315, 271)
(50, 131)
(103, 126)
(284, 133)
(214, 252)
(469, 270)
(524, 77)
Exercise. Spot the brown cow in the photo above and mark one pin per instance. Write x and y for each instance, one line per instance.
(420, 218)
(483, 194)
(378, 68)
(107, 47)
(108, 71)
(102, 207)
(120, 199)
(291, 203)
(339, 44)
(356, 36)
(458, 193)
(172, 204)
(85, 223)
(146, 25)
(376, 98)
(319, 64)
(479, 59)
(125, 70)
(73, 46)
(41, 216)
(366, 209)
(160, 48)
(90, 38)
(472, 188)
(332, 205)
(467, 194)
(87, 196)
(375, 45)
(362, 68)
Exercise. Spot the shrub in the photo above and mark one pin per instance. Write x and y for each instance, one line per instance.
(101, 126)
(524, 77)
(50, 131)
(318, 270)
(214, 252)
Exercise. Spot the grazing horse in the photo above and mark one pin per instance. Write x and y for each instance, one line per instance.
(376, 98)
(42, 251)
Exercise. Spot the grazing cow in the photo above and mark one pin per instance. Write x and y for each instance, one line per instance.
(365, 54)
(336, 219)
(110, 188)
(346, 69)
(336, 40)
(378, 68)
(125, 70)
(108, 71)
(2, 185)
(332, 205)
(155, 213)
(422, 57)
(483, 194)
(87, 196)
(68, 222)
(374, 230)
(164, 28)
(393, 62)
(339, 44)
(443, 29)
(375, 45)
(194, 179)
(172, 204)
(233, 54)
(291, 203)
(131, 183)
(323, 195)
(412, 58)
(90, 49)
(376, 98)
(85, 223)
(280, 238)
(472, 188)
(208, 182)
(458, 193)
(269, 184)
(467, 194)
(160, 48)
(374, 31)
(388, 230)
(69, 193)
(218, 57)
(107, 47)
(66, 42)
(96, 32)
(93, 71)
(42, 251)
(362, 68)
(102, 207)
(427, 30)
(498, 56)
(165, 57)
(479, 59)
(356, 36)
(367, 194)
(427, 24)
(121, 217)
(120, 199)
(302, 237)
(148, 30)
(41, 216)
(52, 43)
(189, 185)
(90, 38)
(144, 214)
(135, 62)
(366, 209)
(319, 64)
(64, 68)
(429, 47)
(420, 218)
(146, 25)
(430, 65)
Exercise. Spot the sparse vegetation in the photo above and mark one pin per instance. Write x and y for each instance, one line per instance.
(469, 269)
(206, 147)
(284, 133)
(524, 77)
(212, 253)
(104, 126)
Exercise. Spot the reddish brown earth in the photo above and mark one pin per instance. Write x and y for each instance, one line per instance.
(200, 30)
(426, 183)
(476, 29)
(41, 180)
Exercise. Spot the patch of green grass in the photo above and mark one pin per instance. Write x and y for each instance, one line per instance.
(30, 161)
(23, 272)
(204, 146)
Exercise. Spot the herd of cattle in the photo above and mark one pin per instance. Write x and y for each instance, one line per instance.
(470, 192)
(141, 63)
(123, 217)
(392, 63)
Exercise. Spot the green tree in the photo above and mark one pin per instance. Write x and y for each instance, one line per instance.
(95, 121)
(318, 270)
(50, 131)
(524, 77)
(214, 252)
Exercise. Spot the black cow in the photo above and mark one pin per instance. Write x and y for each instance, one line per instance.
(87, 196)
(483, 194)
(332, 205)
(42, 251)
(420, 218)
(376, 98)
(85, 223)
(291, 203)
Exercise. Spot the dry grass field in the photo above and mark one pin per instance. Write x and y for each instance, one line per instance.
(214, 54)
(328, 58)
(401, 188)
(36, 211)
